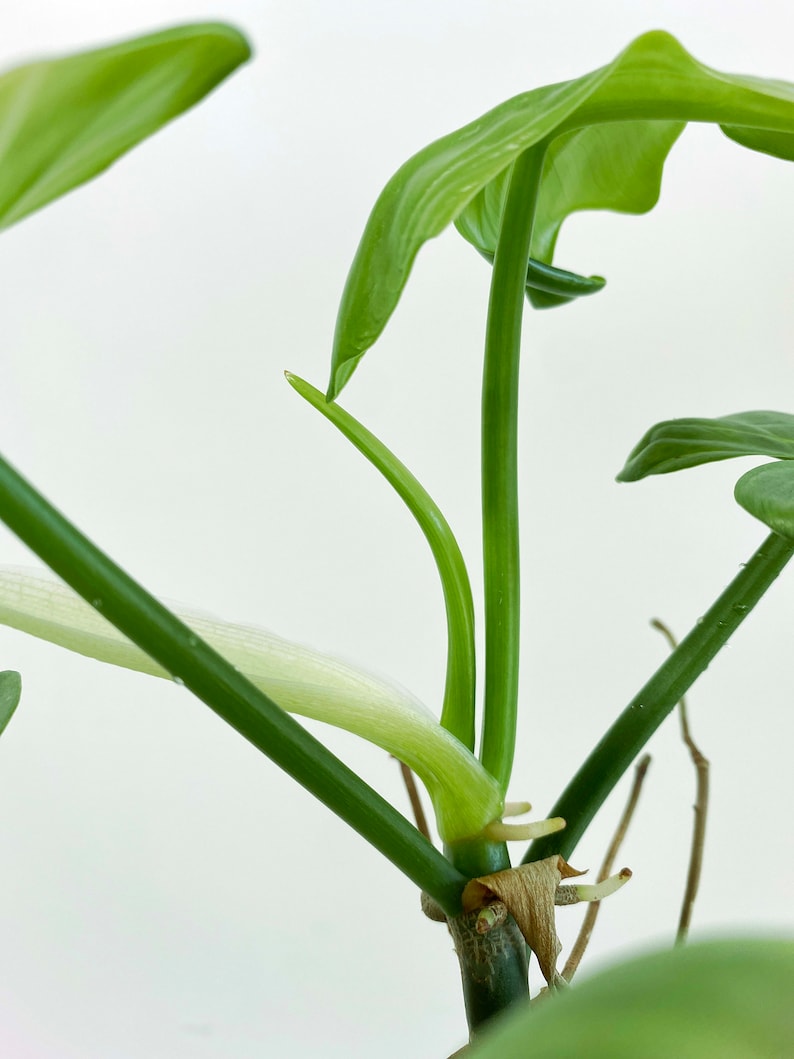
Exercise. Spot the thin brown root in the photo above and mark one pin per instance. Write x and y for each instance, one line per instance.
(701, 805)
(432, 909)
(581, 943)
(416, 802)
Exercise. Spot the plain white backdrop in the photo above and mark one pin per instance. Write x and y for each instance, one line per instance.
(166, 893)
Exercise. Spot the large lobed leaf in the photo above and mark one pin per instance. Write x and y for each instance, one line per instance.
(616, 167)
(718, 1000)
(608, 132)
(63, 121)
(677, 444)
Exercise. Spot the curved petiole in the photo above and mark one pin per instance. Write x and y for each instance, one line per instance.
(588, 789)
(191, 661)
(500, 465)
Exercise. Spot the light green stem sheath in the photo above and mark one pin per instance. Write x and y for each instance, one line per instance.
(300, 680)
(500, 465)
(221, 686)
(597, 777)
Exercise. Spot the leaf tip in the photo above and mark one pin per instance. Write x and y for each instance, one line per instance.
(340, 376)
(10, 693)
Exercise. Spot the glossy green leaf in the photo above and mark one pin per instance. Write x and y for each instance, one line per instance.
(63, 121)
(10, 691)
(768, 493)
(717, 1000)
(680, 443)
(634, 108)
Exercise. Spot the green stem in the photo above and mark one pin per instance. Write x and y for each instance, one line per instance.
(500, 465)
(596, 778)
(223, 688)
(493, 968)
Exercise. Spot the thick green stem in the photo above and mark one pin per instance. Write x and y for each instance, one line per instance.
(493, 968)
(478, 857)
(222, 687)
(597, 777)
(500, 465)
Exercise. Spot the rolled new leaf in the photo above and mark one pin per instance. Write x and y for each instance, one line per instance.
(548, 286)
(608, 134)
(299, 679)
(63, 121)
(457, 714)
(677, 444)
(768, 493)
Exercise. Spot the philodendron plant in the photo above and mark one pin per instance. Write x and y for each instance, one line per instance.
(507, 182)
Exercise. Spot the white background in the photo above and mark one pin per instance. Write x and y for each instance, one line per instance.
(165, 892)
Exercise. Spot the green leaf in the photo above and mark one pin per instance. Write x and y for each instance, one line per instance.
(768, 493)
(717, 1000)
(617, 123)
(64, 121)
(680, 443)
(10, 691)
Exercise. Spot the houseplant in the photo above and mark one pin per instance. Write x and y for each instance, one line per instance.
(667, 51)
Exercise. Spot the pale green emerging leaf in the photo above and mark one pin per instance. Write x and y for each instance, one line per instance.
(303, 681)
(10, 691)
(718, 1000)
(608, 133)
(63, 121)
(768, 493)
(680, 443)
